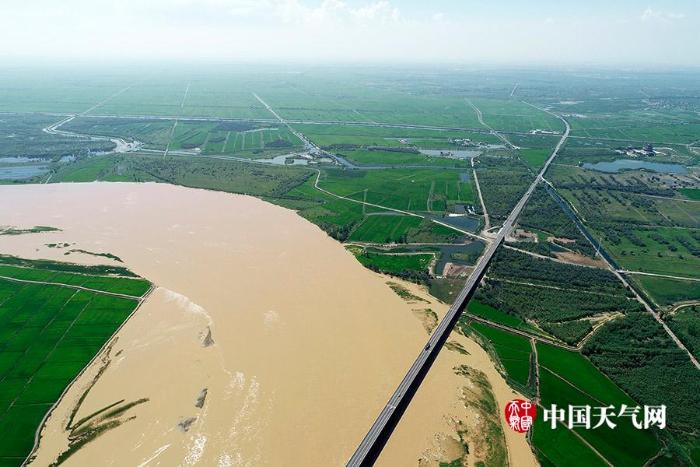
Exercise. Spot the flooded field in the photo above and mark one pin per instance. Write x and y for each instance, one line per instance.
(264, 342)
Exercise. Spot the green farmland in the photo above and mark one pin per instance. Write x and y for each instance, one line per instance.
(512, 351)
(52, 323)
(409, 190)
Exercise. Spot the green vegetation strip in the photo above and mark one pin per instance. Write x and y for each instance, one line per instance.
(48, 334)
(116, 285)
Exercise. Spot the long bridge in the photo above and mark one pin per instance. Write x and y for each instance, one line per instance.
(371, 446)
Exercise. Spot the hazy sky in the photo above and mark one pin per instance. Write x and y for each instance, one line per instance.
(521, 32)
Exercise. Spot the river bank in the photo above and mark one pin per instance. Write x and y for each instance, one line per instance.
(264, 342)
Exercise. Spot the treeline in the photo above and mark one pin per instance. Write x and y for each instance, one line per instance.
(411, 275)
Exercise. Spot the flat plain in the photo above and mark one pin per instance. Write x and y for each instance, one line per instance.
(411, 170)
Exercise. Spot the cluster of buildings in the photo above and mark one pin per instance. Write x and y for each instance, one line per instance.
(646, 151)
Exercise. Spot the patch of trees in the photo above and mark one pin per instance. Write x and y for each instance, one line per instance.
(410, 150)
(503, 182)
(411, 275)
(237, 126)
(692, 248)
(615, 232)
(543, 213)
(29, 140)
(638, 355)
(635, 186)
(547, 305)
(509, 264)
(570, 332)
(279, 143)
(338, 232)
(341, 146)
(228, 176)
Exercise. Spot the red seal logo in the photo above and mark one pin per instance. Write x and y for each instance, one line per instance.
(520, 414)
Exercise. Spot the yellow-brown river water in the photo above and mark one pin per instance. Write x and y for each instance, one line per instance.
(305, 344)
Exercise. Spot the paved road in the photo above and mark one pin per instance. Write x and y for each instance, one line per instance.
(492, 131)
(371, 446)
(308, 145)
(641, 273)
(487, 220)
(121, 144)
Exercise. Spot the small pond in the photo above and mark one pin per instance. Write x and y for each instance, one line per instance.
(19, 172)
(632, 164)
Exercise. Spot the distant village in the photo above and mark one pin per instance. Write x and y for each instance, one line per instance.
(645, 151)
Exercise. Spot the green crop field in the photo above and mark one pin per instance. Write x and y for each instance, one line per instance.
(391, 228)
(490, 313)
(535, 157)
(692, 193)
(516, 116)
(512, 351)
(569, 378)
(420, 190)
(377, 157)
(562, 447)
(660, 250)
(364, 136)
(388, 228)
(665, 291)
(48, 334)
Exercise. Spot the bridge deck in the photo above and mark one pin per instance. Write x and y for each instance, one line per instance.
(372, 444)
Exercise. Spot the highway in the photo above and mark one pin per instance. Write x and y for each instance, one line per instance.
(370, 447)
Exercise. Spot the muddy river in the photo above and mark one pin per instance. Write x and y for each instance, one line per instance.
(264, 342)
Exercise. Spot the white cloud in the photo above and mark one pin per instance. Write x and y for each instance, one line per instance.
(650, 15)
(287, 11)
